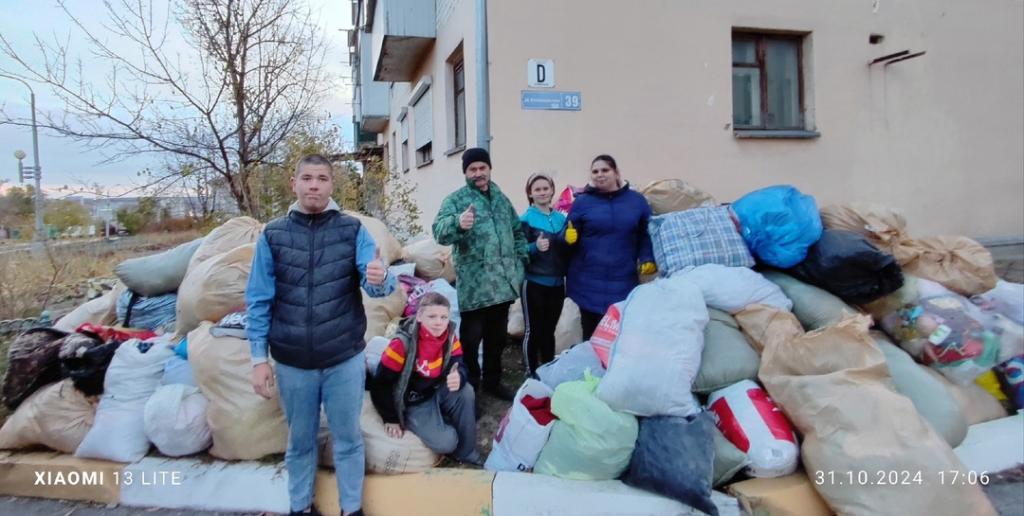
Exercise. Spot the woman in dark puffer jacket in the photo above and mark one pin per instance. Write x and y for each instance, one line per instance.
(610, 246)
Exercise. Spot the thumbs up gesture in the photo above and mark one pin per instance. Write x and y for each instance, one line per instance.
(376, 272)
(467, 218)
(543, 243)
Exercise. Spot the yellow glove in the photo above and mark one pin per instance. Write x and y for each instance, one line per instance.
(648, 268)
(570, 235)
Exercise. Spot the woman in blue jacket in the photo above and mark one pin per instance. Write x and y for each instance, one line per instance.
(610, 247)
(543, 292)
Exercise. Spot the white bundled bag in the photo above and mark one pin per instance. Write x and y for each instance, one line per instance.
(175, 420)
(752, 422)
(119, 431)
(731, 289)
(520, 438)
(374, 350)
(656, 355)
(571, 365)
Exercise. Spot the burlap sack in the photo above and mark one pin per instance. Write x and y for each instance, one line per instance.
(432, 260)
(101, 311)
(958, 263)
(381, 310)
(57, 416)
(214, 288)
(229, 235)
(516, 321)
(384, 455)
(834, 385)
(668, 195)
(244, 425)
(390, 247)
(569, 329)
(975, 404)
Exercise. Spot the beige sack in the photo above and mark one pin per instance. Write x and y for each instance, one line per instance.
(569, 329)
(763, 324)
(884, 227)
(101, 311)
(834, 385)
(958, 263)
(669, 195)
(975, 403)
(213, 289)
(791, 495)
(56, 416)
(244, 425)
(516, 322)
(432, 260)
(384, 455)
(381, 310)
(390, 247)
(229, 235)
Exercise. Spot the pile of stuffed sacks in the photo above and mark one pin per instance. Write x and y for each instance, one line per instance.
(782, 341)
(779, 341)
(162, 361)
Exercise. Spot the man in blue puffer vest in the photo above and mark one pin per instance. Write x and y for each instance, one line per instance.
(304, 304)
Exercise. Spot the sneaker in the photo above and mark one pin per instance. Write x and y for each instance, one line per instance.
(501, 392)
(311, 511)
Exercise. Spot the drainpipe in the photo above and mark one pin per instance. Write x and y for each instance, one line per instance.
(483, 87)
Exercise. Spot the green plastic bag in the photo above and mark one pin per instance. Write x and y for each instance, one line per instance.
(590, 441)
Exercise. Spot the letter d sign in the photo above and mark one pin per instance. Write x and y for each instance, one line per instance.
(540, 73)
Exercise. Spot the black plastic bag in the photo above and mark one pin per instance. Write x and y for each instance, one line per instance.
(32, 363)
(847, 265)
(674, 457)
(85, 359)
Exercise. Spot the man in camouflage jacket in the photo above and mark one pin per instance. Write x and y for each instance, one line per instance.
(490, 252)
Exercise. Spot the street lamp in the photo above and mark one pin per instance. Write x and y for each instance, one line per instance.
(35, 171)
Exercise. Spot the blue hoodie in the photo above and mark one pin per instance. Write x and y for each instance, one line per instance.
(547, 268)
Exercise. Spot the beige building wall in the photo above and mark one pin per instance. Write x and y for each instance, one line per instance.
(455, 19)
(939, 136)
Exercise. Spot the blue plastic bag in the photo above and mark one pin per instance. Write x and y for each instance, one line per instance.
(148, 313)
(779, 224)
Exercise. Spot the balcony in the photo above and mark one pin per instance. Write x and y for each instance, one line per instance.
(371, 97)
(403, 32)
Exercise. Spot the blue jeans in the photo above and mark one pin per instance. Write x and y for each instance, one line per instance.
(340, 388)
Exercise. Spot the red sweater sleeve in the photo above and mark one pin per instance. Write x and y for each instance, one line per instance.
(393, 357)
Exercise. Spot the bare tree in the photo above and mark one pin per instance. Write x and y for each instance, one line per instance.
(251, 72)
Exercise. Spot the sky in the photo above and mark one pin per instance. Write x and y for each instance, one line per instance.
(66, 163)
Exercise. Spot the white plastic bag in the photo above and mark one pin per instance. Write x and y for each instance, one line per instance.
(118, 433)
(175, 420)
(520, 438)
(751, 421)
(571, 365)
(178, 370)
(1006, 299)
(657, 353)
(732, 289)
(374, 349)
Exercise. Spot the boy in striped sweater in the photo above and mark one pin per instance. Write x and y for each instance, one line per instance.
(420, 384)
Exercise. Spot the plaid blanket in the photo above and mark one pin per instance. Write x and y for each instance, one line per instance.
(697, 237)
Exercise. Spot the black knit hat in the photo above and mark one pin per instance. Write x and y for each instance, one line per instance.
(473, 155)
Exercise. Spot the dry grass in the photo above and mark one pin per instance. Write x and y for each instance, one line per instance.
(30, 284)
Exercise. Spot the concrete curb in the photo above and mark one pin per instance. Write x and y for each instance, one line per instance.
(254, 487)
